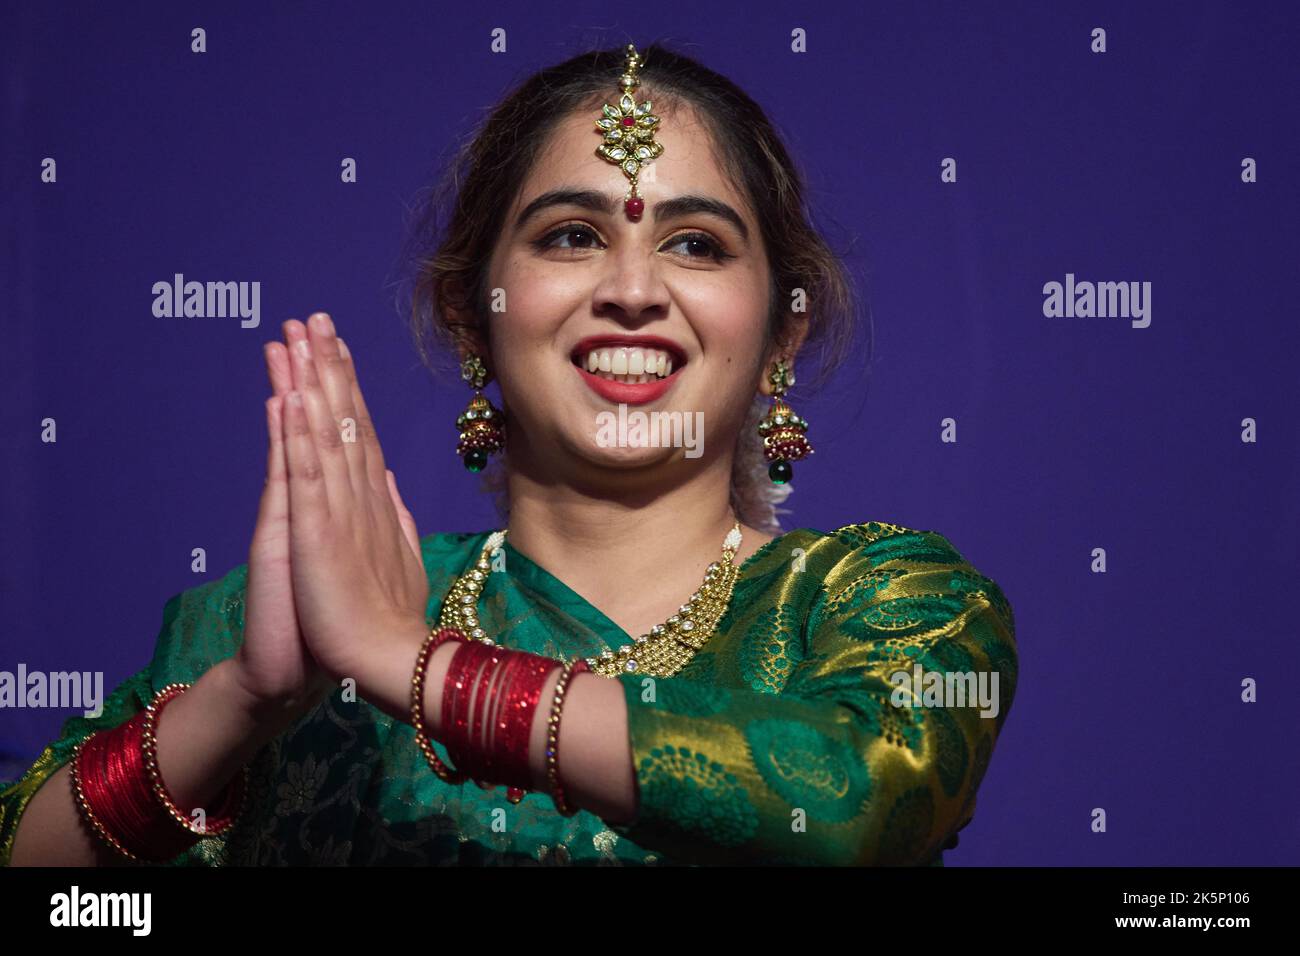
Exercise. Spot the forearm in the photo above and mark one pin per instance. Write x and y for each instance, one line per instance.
(204, 737)
(595, 756)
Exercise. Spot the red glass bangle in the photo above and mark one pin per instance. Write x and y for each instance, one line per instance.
(516, 728)
(121, 795)
(461, 705)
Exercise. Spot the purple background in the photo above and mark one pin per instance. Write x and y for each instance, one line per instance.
(1074, 433)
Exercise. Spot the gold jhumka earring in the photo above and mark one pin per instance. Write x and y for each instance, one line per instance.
(481, 424)
(784, 438)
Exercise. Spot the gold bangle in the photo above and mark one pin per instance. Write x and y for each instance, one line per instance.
(553, 737)
(437, 635)
(231, 807)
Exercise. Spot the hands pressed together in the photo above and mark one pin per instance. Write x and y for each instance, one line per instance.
(336, 585)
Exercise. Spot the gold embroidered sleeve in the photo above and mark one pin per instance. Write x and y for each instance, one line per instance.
(832, 766)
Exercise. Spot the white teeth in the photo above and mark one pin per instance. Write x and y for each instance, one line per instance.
(632, 365)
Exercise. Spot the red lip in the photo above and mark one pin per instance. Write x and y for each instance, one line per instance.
(626, 393)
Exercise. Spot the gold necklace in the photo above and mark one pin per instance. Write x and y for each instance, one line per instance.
(661, 653)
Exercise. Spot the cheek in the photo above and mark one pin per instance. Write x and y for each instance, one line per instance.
(730, 319)
(531, 306)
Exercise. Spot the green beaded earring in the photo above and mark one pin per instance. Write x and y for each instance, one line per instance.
(784, 438)
(481, 424)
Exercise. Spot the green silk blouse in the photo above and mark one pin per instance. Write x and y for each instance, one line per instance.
(777, 744)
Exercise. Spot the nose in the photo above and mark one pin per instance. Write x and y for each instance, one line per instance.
(630, 290)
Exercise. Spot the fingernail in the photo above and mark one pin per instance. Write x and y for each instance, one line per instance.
(343, 349)
(303, 348)
(321, 322)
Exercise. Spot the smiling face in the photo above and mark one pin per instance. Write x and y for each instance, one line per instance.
(668, 313)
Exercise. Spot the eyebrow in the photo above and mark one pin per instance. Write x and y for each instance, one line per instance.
(596, 201)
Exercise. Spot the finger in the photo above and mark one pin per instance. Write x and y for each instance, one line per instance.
(308, 499)
(324, 433)
(337, 389)
(295, 332)
(276, 470)
(404, 517)
(375, 467)
(273, 509)
(277, 368)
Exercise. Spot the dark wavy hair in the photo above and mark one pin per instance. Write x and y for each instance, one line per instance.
(455, 228)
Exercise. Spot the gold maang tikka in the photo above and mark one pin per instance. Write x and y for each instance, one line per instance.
(629, 131)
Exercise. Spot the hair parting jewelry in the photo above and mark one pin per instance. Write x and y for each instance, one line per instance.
(628, 133)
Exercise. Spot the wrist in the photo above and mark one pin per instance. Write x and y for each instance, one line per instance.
(383, 673)
(258, 720)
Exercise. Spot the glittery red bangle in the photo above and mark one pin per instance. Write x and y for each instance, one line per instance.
(120, 792)
(462, 707)
(516, 727)
(496, 690)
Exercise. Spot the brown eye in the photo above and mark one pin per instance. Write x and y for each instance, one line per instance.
(584, 238)
(700, 246)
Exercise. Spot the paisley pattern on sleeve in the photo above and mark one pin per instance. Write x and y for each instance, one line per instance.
(792, 749)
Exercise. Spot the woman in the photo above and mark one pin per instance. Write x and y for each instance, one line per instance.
(747, 711)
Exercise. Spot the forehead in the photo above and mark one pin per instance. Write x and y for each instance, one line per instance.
(688, 165)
